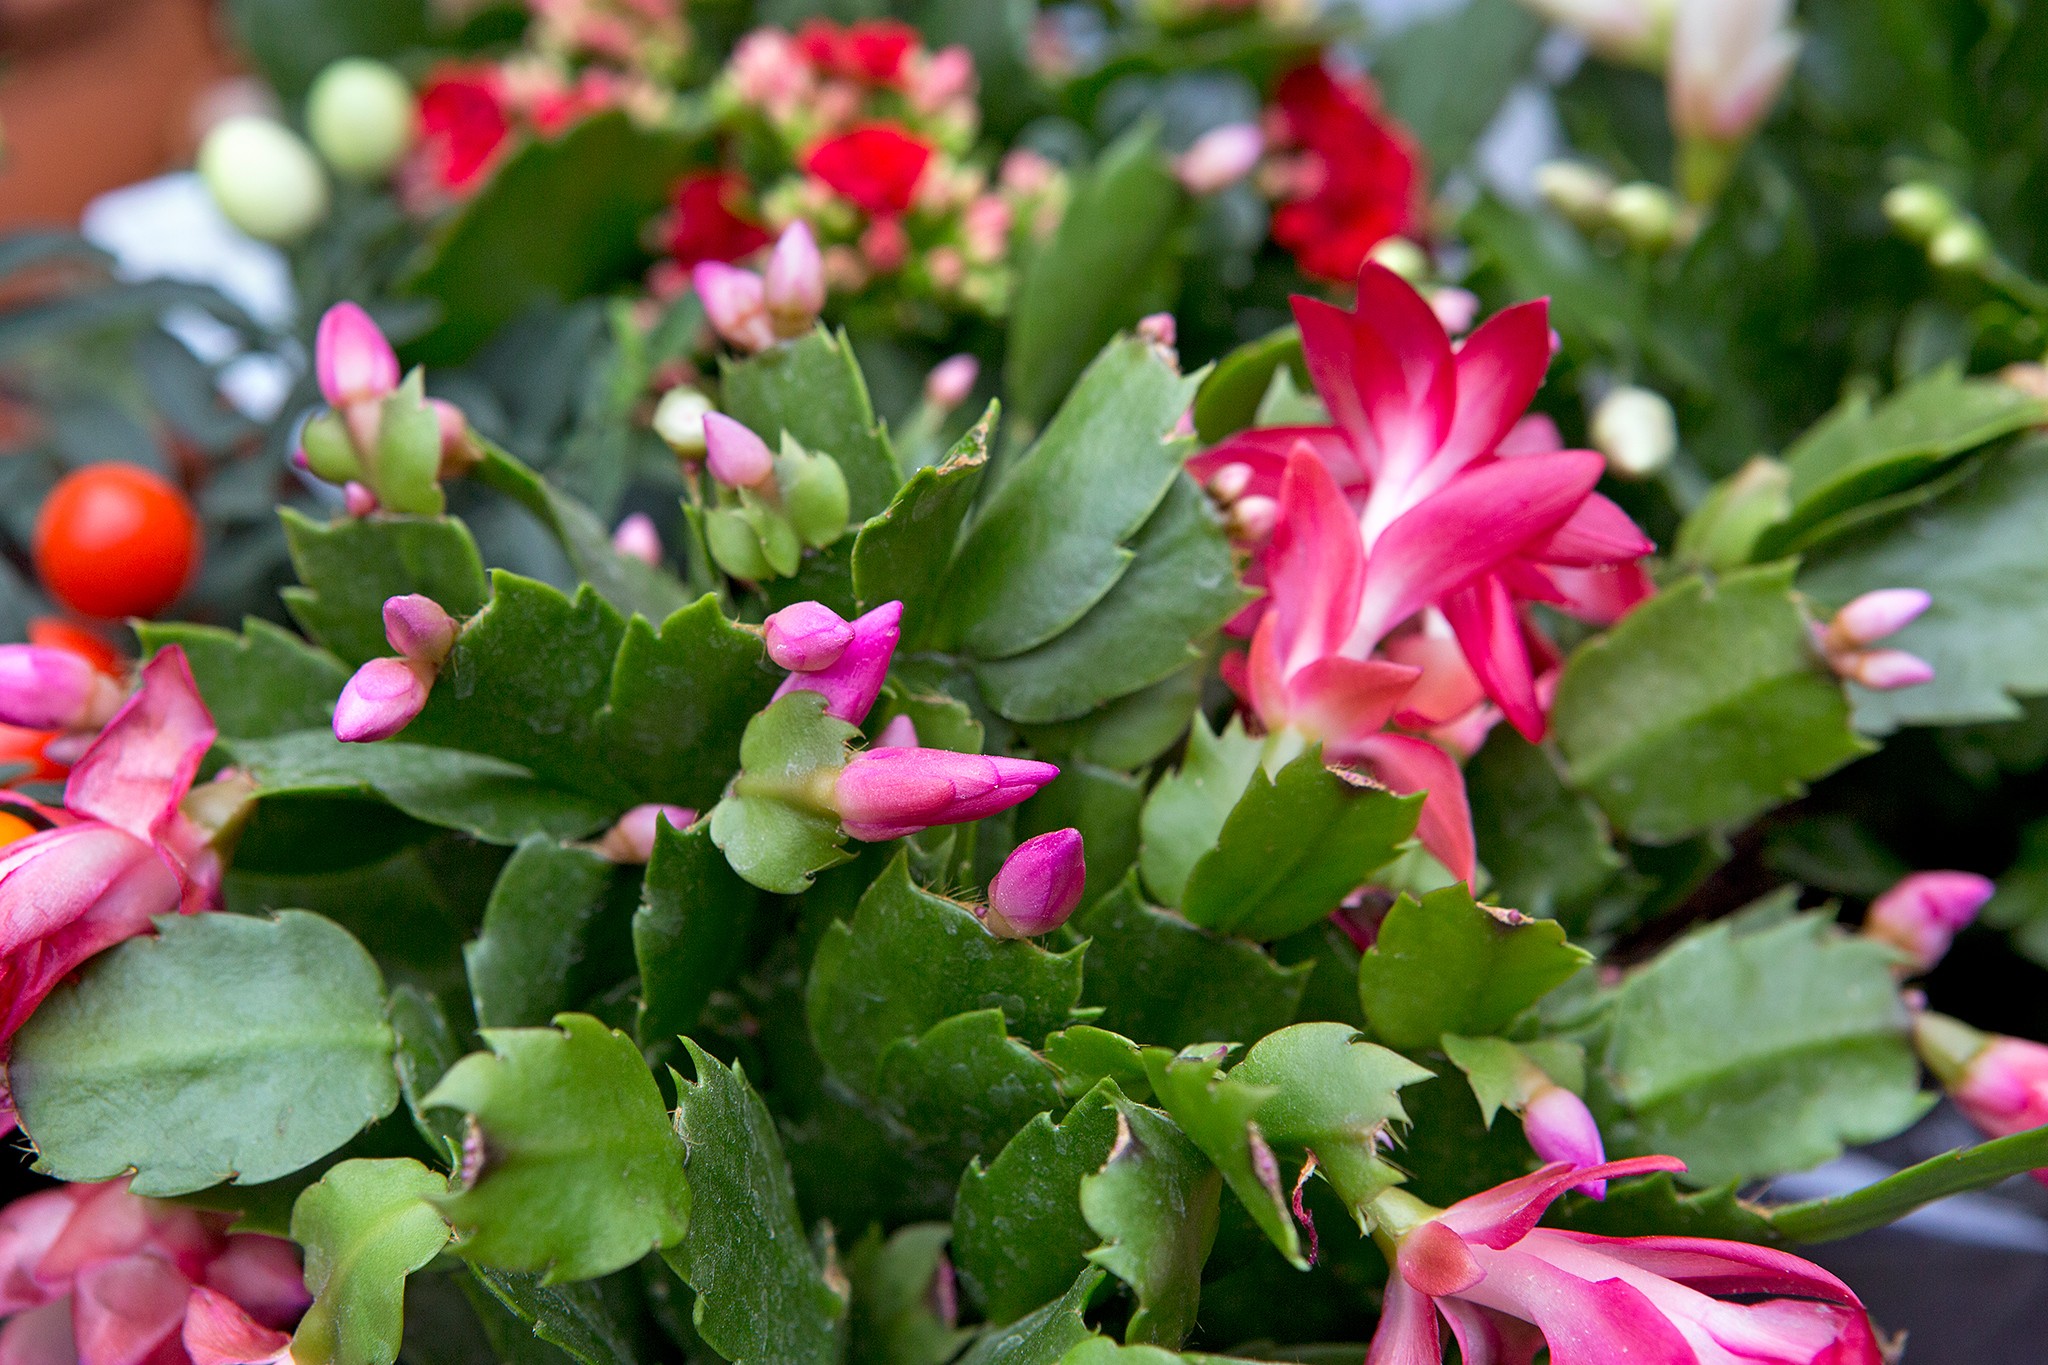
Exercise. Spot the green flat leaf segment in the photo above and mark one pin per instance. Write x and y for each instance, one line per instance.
(773, 826)
(582, 1174)
(1185, 815)
(264, 682)
(1749, 1053)
(1703, 707)
(223, 1047)
(1215, 1111)
(1445, 964)
(365, 1226)
(1154, 1204)
(349, 567)
(762, 1296)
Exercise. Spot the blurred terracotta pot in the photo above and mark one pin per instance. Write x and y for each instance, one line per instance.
(96, 94)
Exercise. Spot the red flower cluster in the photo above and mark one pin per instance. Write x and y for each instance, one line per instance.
(873, 51)
(1356, 176)
(464, 121)
(876, 167)
(709, 220)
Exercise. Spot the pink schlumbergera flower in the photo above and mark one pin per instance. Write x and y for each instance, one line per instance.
(92, 1273)
(120, 851)
(1510, 1289)
(1408, 537)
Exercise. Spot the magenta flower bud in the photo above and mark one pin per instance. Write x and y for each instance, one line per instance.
(950, 381)
(794, 285)
(358, 499)
(1220, 158)
(631, 840)
(735, 456)
(899, 733)
(351, 358)
(1037, 887)
(1923, 913)
(1560, 1127)
(1875, 615)
(53, 689)
(888, 793)
(851, 683)
(806, 636)
(1159, 329)
(736, 303)
(636, 538)
(418, 628)
(1884, 670)
(381, 699)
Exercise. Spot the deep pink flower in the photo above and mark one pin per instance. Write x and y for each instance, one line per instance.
(877, 166)
(1358, 179)
(873, 51)
(119, 852)
(92, 1273)
(1922, 913)
(464, 124)
(852, 681)
(709, 220)
(1037, 886)
(1509, 1289)
(888, 793)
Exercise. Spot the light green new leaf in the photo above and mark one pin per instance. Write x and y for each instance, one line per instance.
(1979, 552)
(1495, 1068)
(365, 1226)
(1186, 812)
(1445, 964)
(581, 1174)
(1215, 1111)
(1155, 1205)
(1702, 708)
(263, 682)
(1745, 1054)
(767, 825)
(812, 388)
(1085, 1056)
(224, 1047)
(1293, 848)
(1019, 1237)
(762, 1296)
(1334, 1095)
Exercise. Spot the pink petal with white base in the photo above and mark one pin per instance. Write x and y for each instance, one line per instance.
(1499, 369)
(1315, 564)
(143, 762)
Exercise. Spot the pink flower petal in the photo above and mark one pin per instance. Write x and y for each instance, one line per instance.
(122, 1310)
(1503, 1215)
(143, 763)
(264, 1275)
(1499, 369)
(1344, 702)
(1316, 563)
(218, 1332)
(41, 1336)
(1415, 765)
(1597, 534)
(1407, 1332)
(1490, 633)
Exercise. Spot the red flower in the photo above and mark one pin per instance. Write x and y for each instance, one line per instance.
(876, 165)
(876, 51)
(709, 222)
(1363, 175)
(463, 124)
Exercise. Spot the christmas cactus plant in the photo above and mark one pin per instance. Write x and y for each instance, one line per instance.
(849, 803)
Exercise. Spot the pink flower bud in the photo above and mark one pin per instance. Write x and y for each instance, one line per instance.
(806, 636)
(43, 688)
(1220, 158)
(636, 538)
(631, 840)
(888, 793)
(358, 499)
(351, 358)
(381, 699)
(794, 286)
(1455, 308)
(1875, 615)
(1159, 329)
(1231, 482)
(736, 303)
(1037, 887)
(1253, 518)
(851, 682)
(735, 456)
(885, 245)
(899, 733)
(2000, 1084)
(418, 628)
(459, 453)
(950, 381)
(1560, 1128)
(1922, 914)
(1884, 670)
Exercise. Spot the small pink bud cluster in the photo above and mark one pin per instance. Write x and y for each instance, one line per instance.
(769, 507)
(386, 694)
(637, 538)
(1037, 887)
(631, 840)
(358, 375)
(1249, 518)
(1220, 158)
(752, 312)
(43, 687)
(847, 671)
(1924, 912)
(950, 381)
(1846, 640)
